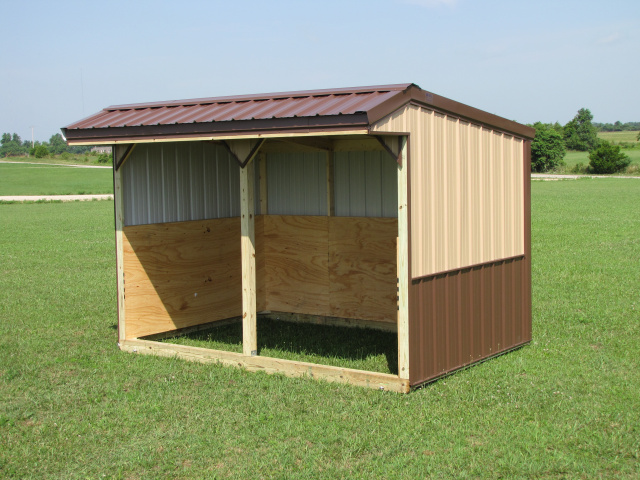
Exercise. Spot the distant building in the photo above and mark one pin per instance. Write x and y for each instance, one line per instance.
(101, 149)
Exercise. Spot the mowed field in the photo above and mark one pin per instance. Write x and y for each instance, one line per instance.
(566, 406)
(30, 179)
(617, 137)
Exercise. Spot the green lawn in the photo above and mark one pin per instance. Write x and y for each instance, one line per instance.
(566, 406)
(27, 179)
(64, 159)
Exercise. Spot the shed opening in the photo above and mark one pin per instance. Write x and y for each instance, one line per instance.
(325, 243)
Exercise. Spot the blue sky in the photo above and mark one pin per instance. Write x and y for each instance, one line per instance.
(523, 60)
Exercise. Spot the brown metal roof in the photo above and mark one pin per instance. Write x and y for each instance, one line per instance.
(322, 110)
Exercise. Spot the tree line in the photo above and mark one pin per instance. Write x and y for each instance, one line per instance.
(12, 145)
(580, 133)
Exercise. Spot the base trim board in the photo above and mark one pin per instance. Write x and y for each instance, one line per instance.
(330, 321)
(378, 381)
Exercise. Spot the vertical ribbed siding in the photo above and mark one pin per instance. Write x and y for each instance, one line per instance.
(297, 183)
(466, 191)
(177, 182)
(365, 184)
(467, 315)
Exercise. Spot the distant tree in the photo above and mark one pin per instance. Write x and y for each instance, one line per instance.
(579, 133)
(558, 128)
(12, 145)
(547, 148)
(608, 158)
(41, 151)
(79, 149)
(57, 145)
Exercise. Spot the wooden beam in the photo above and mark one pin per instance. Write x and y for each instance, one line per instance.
(264, 194)
(403, 262)
(379, 381)
(247, 244)
(244, 150)
(331, 207)
(390, 145)
(330, 321)
(119, 221)
(121, 154)
(311, 143)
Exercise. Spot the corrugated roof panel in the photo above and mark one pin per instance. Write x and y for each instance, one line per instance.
(112, 119)
(312, 110)
(248, 107)
(147, 116)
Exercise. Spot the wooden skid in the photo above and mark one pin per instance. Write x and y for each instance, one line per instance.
(379, 381)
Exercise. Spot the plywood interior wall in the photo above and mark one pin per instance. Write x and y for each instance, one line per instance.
(181, 274)
(331, 266)
(188, 273)
(467, 194)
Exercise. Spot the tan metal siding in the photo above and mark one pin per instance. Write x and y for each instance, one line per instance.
(466, 191)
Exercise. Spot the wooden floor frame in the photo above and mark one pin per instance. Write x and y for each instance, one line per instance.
(257, 363)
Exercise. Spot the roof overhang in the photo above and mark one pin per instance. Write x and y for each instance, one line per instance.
(351, 112)
(281, 127)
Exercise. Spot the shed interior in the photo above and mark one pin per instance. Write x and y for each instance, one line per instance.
(325, 231)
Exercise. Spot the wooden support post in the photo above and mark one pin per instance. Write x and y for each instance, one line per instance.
(119, 221)
(403, 263)
(331, 208)
(249, 330)
(264, 204)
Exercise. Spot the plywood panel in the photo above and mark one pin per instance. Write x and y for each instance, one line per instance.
(362, 268)
(331, 266)
(181, 274)
(296, 270)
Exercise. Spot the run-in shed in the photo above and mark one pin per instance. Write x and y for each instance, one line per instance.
(379, 207)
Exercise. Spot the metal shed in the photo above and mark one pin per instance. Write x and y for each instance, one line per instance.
(379, 207)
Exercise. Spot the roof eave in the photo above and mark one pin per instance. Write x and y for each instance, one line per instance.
(213, 129)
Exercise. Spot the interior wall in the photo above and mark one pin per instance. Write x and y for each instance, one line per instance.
(180, 181)
(189, 273)
(365, 184)
(297, 183)
(180, 271)
(331, 266)
(181, 274)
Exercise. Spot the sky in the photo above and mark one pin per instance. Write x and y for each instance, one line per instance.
(527, 61)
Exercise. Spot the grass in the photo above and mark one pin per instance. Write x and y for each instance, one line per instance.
(26, 179)
(73, 406)
(617, 137)
(64, 159)
(372, 350)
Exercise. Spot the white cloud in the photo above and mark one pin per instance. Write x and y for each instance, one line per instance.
(614, 37)
(432, 3)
